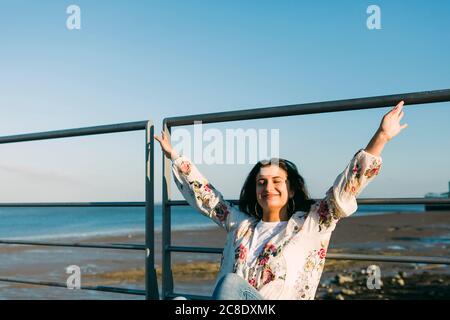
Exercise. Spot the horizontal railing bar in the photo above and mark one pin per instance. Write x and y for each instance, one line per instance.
(75, 245)
(76, 132)
(360, 201)
(404, 201)
(194, 249)
(137, 292)
(72, 204)
(177, 203)
(337, 256)
(64, 285)
(188, 296)
(380, 258)
(315, 107)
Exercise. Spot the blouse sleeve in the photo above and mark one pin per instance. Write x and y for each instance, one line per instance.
(340, 199)
(202, 196)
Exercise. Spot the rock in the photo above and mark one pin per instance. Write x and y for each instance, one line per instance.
(341, 279)
(340, 297)
(398, 280)
(348, 292)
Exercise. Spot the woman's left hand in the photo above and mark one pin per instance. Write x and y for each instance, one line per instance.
(390, 125)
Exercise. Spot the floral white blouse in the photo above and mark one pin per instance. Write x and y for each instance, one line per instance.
(291, 263)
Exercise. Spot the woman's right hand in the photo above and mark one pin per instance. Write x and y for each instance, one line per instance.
(166, 147)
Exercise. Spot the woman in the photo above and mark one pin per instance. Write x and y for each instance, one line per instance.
(278, 238)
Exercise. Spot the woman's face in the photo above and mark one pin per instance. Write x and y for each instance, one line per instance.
(272, 188)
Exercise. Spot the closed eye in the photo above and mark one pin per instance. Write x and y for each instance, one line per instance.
(275, 181)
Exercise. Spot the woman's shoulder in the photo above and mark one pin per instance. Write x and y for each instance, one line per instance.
(299, 215)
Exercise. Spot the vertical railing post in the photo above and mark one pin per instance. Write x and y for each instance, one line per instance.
(167, 277)
(151, 282)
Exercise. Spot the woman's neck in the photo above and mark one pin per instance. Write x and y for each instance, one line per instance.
(275, 215)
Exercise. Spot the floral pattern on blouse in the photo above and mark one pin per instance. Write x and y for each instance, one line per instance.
(241, 253)
(291, 262)
(373, 169)
(314, 264)
(353, 185)
(265, 268)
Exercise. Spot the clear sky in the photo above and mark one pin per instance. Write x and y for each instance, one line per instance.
(136, 60)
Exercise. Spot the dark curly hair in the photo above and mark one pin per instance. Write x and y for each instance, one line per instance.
(247, 199)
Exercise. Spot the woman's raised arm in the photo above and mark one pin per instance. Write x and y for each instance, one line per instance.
(198, 192)
(340, 199)
(390, 127)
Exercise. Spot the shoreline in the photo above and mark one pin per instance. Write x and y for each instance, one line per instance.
(394, 227)
(411, 234)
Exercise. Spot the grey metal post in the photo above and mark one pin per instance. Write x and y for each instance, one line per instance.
(151, 285)
(151, 282)
(167, 277)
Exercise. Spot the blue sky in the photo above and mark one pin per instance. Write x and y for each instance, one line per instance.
(135, 60)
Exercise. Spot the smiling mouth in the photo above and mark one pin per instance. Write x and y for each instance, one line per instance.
(268, 196)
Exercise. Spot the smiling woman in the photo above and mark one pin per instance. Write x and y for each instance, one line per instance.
(274, 182)
(278, 238)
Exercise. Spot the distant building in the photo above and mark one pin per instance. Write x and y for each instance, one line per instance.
(438, 195)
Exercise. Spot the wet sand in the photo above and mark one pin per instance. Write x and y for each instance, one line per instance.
(421, 234)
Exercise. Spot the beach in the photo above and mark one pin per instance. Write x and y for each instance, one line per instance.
(408, 234)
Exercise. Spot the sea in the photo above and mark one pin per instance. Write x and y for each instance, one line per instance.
(56, 223)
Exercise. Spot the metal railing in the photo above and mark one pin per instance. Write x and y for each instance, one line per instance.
(151, 285)
(283, 111)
